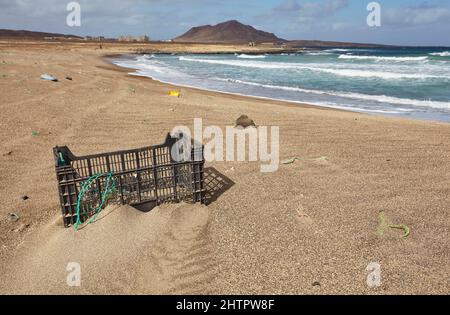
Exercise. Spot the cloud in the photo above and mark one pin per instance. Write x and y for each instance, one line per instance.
(416, 15)
(290, 16)
(312, 9)
(158, 18)
(340, 26)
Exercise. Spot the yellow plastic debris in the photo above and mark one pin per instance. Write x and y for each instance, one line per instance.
(175, 93)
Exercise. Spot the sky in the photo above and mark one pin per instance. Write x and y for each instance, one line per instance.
(403, 22)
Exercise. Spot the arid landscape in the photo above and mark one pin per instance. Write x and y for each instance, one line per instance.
(312, 227)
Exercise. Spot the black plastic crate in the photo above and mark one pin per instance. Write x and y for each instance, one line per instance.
(142, 178)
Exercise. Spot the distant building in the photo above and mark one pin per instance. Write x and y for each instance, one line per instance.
(252, 44)
(143, 39)
(132, 39)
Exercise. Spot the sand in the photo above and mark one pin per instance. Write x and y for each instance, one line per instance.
(314, 221)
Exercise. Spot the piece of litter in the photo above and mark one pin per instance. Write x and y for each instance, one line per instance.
(13, 217)
(25, 198)
(383, 226)
(406, 230)
(49, 77)
(316, 284)
(175, 93)
(292, 160)
(35, 133)
(69, 78)
(289, 161)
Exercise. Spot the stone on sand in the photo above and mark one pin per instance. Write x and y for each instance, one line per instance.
(245, 122)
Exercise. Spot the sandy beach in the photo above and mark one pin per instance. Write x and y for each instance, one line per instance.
(309, 228)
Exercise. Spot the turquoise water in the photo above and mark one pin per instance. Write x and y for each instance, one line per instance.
(404, 82)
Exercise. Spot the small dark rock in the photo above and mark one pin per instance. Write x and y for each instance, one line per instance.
(25, 197)
(69, 78)
(8, 153)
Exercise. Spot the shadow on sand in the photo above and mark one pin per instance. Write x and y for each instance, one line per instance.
(216, 184)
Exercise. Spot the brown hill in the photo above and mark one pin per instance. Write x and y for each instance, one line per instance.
(31, 35)
(227, 32)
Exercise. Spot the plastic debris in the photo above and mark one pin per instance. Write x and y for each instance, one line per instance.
(293, 159)
(175, 93)
(406, 230)
(35, 133)
(13, 217)
(383, 226)
(289, 161)
(49, 77)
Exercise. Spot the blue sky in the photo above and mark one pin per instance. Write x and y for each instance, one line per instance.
(404, 22)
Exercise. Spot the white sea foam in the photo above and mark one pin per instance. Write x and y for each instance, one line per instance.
(346, 72)
(378, 58)
(338, 50)
(318, 53)
(244, 56)
(441, 54)
(367, 97)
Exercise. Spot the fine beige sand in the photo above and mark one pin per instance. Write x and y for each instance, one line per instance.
(310, 228)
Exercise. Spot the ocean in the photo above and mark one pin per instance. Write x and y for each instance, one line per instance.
(407, 82)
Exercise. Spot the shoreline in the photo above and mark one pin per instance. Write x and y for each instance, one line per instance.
(133, 73)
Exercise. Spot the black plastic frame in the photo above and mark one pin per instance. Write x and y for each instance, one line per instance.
(145, 178)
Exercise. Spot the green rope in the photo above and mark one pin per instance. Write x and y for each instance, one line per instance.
(61, 159)
(383, 226)
(109, 190)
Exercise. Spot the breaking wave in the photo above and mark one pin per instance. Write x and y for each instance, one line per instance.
(244, 56)
(375, 98)
(441, 54)
(377, 58)
(296, 66)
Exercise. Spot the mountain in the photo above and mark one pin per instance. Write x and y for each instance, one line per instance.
(30, 34)
(232, 32)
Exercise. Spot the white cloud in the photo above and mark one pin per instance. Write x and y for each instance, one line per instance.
(311, 9)
(416, 15)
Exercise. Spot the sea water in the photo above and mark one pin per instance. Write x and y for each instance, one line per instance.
(411, 82)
